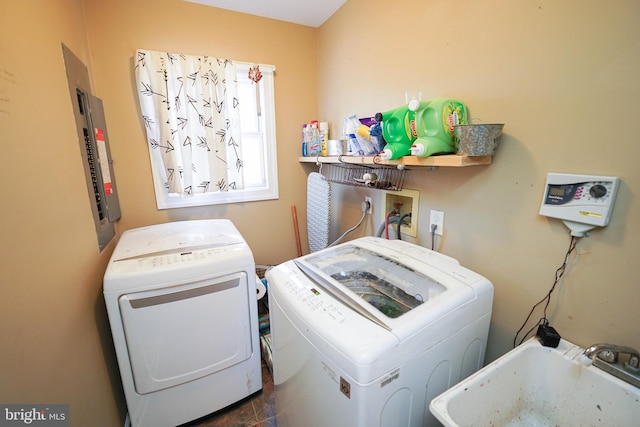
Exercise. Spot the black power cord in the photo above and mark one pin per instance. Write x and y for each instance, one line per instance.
(544, 321)
(400, 222)
(433, 236)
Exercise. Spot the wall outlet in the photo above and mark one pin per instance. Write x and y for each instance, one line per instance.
(436, 218)
(368, 200)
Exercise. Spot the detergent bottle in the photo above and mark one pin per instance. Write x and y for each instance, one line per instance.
(434, 124)
(398, 130)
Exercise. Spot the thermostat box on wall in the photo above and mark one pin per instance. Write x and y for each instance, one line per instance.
(586, 199)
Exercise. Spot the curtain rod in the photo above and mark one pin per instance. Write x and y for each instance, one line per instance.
(268, 66)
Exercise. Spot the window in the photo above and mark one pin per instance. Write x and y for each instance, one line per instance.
(251, 163)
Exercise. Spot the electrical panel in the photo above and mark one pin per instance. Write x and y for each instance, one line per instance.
(101, 143)
(94, 149)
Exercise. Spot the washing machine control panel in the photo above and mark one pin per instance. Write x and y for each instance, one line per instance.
(315, 299)
(175, 258)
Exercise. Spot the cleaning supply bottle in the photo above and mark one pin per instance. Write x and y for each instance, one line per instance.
(398, 130)
(305, 146)
(357, 134)
(312, 139)
(324, 135)
(434, 124)
(375, 133)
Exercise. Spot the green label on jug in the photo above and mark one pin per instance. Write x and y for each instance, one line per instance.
(453, 113)
(410, 125)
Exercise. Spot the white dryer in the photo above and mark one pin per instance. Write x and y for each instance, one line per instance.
(181, 301)
(366, 333)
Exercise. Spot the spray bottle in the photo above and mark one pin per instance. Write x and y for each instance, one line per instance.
(311, 140)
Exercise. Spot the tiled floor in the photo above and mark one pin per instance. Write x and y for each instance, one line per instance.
(258, 410)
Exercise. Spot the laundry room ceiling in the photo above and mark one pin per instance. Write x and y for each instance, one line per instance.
(312, 13)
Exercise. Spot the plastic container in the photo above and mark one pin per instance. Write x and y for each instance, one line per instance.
(357, 133)
(337, 147)
(375, 133)
(435, 121)
(305, 148)
(398, 130)
(312, 140)
(324, 137)
(395, 151)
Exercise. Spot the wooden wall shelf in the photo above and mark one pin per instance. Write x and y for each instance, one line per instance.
(448, 160)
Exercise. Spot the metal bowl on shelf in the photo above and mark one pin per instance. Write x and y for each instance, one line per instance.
(477, 139)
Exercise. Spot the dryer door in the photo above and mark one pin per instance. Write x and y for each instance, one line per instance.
(182, 333)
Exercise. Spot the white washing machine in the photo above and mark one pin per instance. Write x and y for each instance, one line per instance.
(366, 333)
(181, 301)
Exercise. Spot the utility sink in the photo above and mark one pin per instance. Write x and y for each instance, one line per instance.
(534, 385)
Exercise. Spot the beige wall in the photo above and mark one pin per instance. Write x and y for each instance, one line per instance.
(53, 330)
(563, 77)
(56, 343)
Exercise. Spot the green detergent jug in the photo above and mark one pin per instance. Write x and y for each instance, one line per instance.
(398, 130)
(434, 122)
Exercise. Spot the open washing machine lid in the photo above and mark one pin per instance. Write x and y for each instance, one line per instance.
(391, 283)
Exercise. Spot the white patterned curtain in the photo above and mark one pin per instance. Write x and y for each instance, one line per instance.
(189, 107)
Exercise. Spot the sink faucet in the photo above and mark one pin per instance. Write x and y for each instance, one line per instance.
(620, 361)
(610, 352)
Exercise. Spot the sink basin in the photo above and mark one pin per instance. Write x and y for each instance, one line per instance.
(534, 385)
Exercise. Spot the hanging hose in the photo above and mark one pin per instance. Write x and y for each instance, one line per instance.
(392, 220)
(402, 218)
(386, 223)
